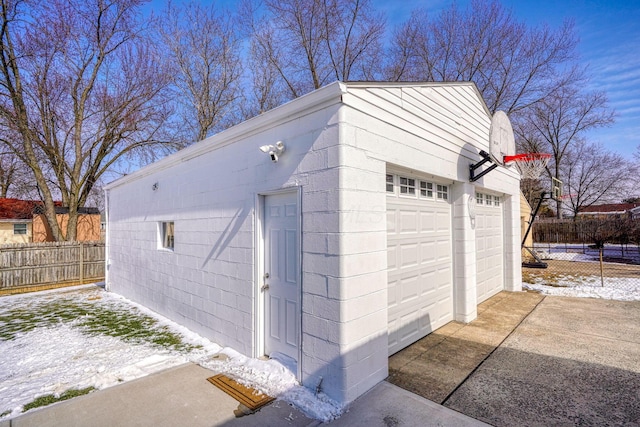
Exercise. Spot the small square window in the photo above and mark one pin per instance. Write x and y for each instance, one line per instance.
(443, 192)
(496, 200)
(488, 200)
(19, 228)
(390, 183)
(426, 189)
(479, 199)
(407, 185)
(167, 235)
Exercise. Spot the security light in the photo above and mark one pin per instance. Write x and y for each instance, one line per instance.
(274, 150)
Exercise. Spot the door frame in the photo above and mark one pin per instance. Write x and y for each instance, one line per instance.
(259, 268)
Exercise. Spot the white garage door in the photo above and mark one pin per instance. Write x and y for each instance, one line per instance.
(419, 259)
(489, 246)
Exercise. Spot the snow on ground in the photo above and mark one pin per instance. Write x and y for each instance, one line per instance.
(616, 288)
(272, 378)
(49, 343)
(46, 347)
(567, 256)
(584, 253)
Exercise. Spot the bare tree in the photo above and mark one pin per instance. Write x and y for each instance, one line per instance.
(15, 179)
(594, 175)
(557, 123)
(513, 66)
(309, 43)
(268, 87)
(532, 189)
(203, 50)
(81, 87)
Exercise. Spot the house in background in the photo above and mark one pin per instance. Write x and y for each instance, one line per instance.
(16, 217)
(23, 221)
(88, 224)
(610, 210)
(525, 217)
(329, 232)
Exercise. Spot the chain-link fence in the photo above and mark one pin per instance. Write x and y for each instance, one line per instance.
(580, 263)
(594, 251)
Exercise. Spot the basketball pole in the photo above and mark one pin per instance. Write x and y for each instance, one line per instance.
(534, 214)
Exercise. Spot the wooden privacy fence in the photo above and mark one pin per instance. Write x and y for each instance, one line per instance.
(590, 231)
(32, 266)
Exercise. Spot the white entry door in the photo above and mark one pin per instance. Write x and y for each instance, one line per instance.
(281, 286)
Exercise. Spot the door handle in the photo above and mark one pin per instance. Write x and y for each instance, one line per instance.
(264, 287)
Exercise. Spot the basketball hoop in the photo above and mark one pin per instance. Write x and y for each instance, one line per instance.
(530, 165)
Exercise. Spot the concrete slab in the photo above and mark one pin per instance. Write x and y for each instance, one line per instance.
(175, 397)
(434, 366)
(573, 361)
(387, 405)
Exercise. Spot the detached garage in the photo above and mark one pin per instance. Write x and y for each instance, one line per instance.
(329, 232)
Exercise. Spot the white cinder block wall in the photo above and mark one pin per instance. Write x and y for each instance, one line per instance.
(339, 140)
(209, 190)
(433, 130)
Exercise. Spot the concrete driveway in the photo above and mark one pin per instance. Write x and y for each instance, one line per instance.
(569, 361)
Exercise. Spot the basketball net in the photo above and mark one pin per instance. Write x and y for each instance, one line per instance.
(530, 165)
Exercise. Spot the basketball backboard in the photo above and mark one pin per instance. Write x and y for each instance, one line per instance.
(501, 140)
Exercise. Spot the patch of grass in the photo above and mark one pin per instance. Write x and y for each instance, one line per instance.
(5, 413)
(93, 316)
(50, 398)
(546, 277)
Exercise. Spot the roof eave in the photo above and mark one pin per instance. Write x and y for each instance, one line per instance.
(316, 99)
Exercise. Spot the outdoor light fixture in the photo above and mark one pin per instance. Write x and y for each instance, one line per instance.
(274, 150)
(154, 187)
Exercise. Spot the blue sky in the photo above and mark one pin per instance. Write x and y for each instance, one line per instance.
(609, 32)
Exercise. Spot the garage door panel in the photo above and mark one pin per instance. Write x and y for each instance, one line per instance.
(443, 250)
(409, 328)
(392, 221)
(428, 252)
(408, 255)
(420, 271)
(392, 256)
(408, 221)
(443, 222)
(409, 288)
(427, 222)
(392, 296)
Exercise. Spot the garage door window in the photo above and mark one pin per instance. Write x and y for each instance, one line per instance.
(411, 187)
(488, 200)
(407, 186)
(426, 189)
(390, 188)
(443, 192)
